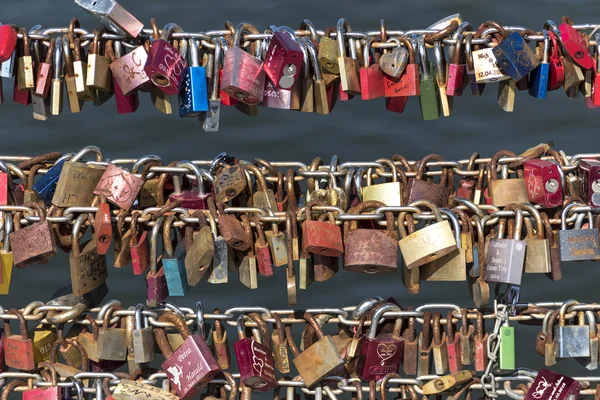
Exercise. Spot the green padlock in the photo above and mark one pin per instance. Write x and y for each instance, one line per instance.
(507, 347)
(428, 97)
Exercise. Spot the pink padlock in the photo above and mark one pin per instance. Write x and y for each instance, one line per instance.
(193, 199)
(8, 42)
(165, 66)
(283, 60)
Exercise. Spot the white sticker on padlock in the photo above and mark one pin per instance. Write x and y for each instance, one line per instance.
(486, 69)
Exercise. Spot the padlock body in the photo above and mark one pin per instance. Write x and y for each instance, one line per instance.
(128, 71)
(318, 361)
(119, 186)
(191, 199)
(191, 367)
(193, 96)
(552, 386)
(427, 244)
(7, 68)
(243, 76)
(18, 353)
(590, 186)
(283, 61)
(454, 354)
(285, 99)
(537, 257)
(544, 183)
(165, 67)
(389, 193)
(370, 251)
(156, 287)
(372, 83)
(539, 80)
(574, 44)
(175, 272)
(449, 268)
(48, 393)
(515, 56)
(76, 184)
(8, 42)
(396, 104)
(256, 365)
(143, 345)
(579, 244)
(32, 244)
(419, 189)
(112, 345)
(506, 191)
(140, 255)
(456, 79)
(485, 68)
(406, 85)
(505, 260)
(323, 238)
(126, 104)
(379, 356)
(572, 341)
(88, 269)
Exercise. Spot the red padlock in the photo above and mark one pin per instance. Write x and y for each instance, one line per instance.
(52, 392)
(396, 104)
(283, 60)
(192, 199)
(18, 349)
(191, 366)
(408, 83)
(324, 238)
(262, 251)
(165, 66)
(481, 339)
(590, 182)
(8, 41)
(371, 76)
(126, 103)
(452, 345)
(255, 360)
(139, 248)
(557, 70)
(574, 43)
(457, 78)
(544, 182)
(103, 226)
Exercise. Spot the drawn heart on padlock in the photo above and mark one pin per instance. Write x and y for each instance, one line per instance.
(257, 363)
(386, 351)
(175, 64)
(394, 63)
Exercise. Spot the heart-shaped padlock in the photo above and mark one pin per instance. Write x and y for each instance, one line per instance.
(394, 63)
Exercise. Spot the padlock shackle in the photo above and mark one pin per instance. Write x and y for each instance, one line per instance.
(423, 164)
(261, 182)
(75, 248)
(537, 217)
(240, 327)
(518, 220)
(455, 225)
(22, 324)
(437, 328)
(480, 326)
(200, 318)
(167, 242)
(314, 59)
(290, 340)
(93, 327)
(493, 165)
(106, 318)
(426, 332)
(138, 316)
(563, 310)
(83, 367)
(49, 367)
(378, 315)
(262, 328)
(383, 384)
(440, 64)
(365, 306)
(8, 226)
(367, 51)
(342, 27)
(169, 29)
(85, 151)
(565, 213)
(154, 244)
(315, 325)
(364, 206)
(161, 336)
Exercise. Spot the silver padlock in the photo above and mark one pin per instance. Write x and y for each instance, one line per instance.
(571, 340)
(143, 338)
(113, 16)
(590, 362)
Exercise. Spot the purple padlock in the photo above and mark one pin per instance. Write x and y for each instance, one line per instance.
(165, 65)
(193, 199)
(549, 385)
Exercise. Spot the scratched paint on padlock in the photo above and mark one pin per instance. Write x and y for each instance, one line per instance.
(119, 186)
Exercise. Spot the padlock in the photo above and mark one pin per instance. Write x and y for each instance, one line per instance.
(453, 345)
(410, 277)
(446, 103)
(545, 182)
(322, 103)
(243, 75)
(56, 92)
(427, 244)
(322, 267)
(456, 79)
(139, 248)
(44, 75)
(328, 53)
(484, 60)
(481, 340)
(156, 281)
(263, 253)
(119, 186)
(539, 80)
(389, 193)
(555, 273)
(547, 383)
(25, 76)
(75, 103)
(507, 353)
(143, 337)
(255, 361)
(191, 366)
(420, 189)
(174, 261)
(112, 343)
(126, 103)
(7, 67)
(88, 268)
(34, 243)
(324, 238)
(64, 370)
(8, 42)
(122, 242)
(283, 59)
(574, 43)
(370, 251)
(545, 344)
(407, 83)
(52, 392)
(161, 100)
(280, 346)
(425, 346)
(6, 266)
(439, 349)
(428, 91)
(88, 338)
(476, 86)
(98, 76)
(371, 76)
(505, 191)
(576, 244)
(247, 268)
(263, 197)
(211, 118)
(128, 71)
(165, 66)
(223, 259)
(112, 16)
(43, 336)
(589, 175)
(77, 180)
(229, 182)
(591, 362)
(505, 258)
(571, 340)
(393, 64)
(222, 353)
(348, 66)
(595, 87)
(380, 355)
(452, 266)
(201, 250)
(557, 69)
(306, 82)
(281, 98)
(18, 349)
(467, 340)
(411, 351)
(192, 199)
(45, 186)
(193, 96)
(514, 56)
(320, 359)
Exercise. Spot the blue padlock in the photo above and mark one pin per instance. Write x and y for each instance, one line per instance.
(193, 96)
(538, 80)
(46, 184)
(515, 57)
(174, 262)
